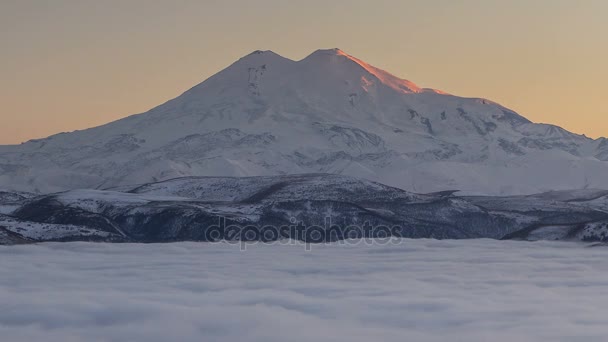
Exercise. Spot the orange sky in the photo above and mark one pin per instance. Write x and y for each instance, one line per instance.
(73, 64)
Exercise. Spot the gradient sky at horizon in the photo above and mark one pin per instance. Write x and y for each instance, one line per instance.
(74, 64)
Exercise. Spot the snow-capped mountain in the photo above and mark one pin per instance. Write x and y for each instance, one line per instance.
(330, 113)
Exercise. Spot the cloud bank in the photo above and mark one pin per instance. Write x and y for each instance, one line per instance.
(420, 290)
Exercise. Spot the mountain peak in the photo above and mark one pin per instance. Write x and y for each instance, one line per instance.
(334, 52)
(263, 56)
(336, 56)
(327, 53)
(260, 52)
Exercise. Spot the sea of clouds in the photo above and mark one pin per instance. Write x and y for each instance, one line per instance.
(419, 290)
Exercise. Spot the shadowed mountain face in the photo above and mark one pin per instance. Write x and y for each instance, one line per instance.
(328, 113)
(309, 207)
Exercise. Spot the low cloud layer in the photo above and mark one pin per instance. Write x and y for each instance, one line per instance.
(419, 290)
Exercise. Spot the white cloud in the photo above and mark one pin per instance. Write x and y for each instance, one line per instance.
(421, 290)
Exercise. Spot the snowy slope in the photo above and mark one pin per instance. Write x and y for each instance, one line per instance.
(328, 113)
(567, 223)
(40, 231)
(274, 188)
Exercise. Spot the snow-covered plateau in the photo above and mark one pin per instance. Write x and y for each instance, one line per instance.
(414, 290)
(328, 113)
